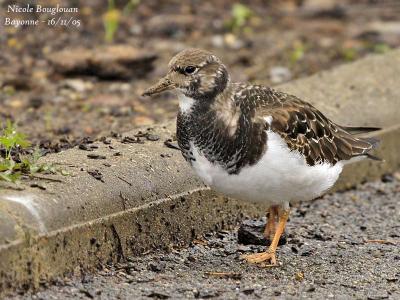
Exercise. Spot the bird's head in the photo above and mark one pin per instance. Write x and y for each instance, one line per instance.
(195, 73)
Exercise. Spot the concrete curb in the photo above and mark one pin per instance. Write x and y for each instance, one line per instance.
(147, 197)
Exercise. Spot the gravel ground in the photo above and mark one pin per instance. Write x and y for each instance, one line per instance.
(343, 246)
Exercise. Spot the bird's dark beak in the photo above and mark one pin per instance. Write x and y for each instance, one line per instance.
(164, 84)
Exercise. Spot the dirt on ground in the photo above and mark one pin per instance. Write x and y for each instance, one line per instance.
(342, 246)
(62, 81)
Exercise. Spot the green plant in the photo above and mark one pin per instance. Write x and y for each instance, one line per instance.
(111, 21)
(10, 139)
(297, 52)
(381, 48)
(11, 169)
(112, 17)
(130, 6)
(349, 54)
(9, 90)
(240, 15)
(29, 164)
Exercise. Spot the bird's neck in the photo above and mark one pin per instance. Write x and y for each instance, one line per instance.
(189, 103)
(186, 103)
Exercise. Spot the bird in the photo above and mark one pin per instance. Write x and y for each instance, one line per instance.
(254, 143)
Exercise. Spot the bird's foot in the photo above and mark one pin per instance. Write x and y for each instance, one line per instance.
(262, 257)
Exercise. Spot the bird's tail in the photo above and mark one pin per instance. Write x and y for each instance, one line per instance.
(374, 142)
(361, 146)
(360, 130)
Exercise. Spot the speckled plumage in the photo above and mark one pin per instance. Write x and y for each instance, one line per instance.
(242, 142)
(254, 143)
(229, 122)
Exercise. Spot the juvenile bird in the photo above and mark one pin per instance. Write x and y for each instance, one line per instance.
(254, 143)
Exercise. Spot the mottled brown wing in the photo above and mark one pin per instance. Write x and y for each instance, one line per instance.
(308, 131)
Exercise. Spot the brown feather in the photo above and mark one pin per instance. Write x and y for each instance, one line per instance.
(308, 131)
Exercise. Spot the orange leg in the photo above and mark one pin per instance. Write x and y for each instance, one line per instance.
(270, 254)
(270, 228)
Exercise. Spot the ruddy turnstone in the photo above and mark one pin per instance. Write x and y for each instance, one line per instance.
(254, 143)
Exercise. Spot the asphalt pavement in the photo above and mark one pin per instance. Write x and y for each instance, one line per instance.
(342, 246)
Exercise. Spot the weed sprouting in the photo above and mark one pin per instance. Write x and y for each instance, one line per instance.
(13, 164)
(112, 17)
(240, 15)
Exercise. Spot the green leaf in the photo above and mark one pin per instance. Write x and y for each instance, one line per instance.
(34, 168)
(7, 165)
(20, 140)
(241, 13)
(111, 21)
(11, 138)
(10, 128)
(381, 48)
(53, 170)
(10, 177)
(12, 171)
(297, 52)
(18, 167)
(349, 54)
(131, 6)
(7, 141)
(4, 165)
(36, 155)
(65, 173)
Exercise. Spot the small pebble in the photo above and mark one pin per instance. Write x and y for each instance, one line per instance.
(95, 156)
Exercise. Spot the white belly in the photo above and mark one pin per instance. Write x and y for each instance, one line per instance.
(280, 176)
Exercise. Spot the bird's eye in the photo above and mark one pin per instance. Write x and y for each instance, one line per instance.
(190, 69)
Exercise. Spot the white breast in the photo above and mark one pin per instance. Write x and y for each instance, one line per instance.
(280, 176)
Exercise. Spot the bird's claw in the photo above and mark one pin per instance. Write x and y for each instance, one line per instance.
(261, 258)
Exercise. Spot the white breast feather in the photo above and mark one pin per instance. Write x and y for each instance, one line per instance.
(280, 176)
(185, 103)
